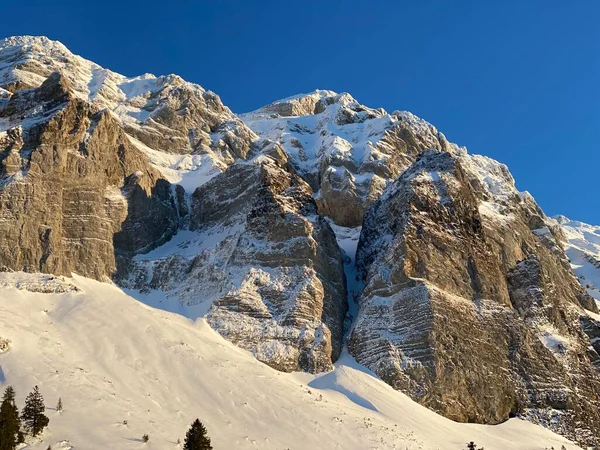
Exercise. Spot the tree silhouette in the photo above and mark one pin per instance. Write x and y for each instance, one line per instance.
(33, 416)
(197, 437)
(10, 423)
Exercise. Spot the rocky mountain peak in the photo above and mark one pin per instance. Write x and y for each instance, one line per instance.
(345, 150)
(298, 105)
(162, 114)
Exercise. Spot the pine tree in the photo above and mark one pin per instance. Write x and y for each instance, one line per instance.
(33, 416)
(9, 421)
(197, 437)
(59, 406)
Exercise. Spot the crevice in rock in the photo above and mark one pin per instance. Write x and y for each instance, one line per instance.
(347, 239)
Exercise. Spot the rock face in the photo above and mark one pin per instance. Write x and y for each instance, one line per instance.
(84, 189)
(178, 125)
(293, 286)
(269, 269)
(469, 303)
(347, 152)
(70, 181)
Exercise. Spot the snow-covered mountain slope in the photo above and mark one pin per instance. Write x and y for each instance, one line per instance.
(582, 246)
(261, 263)
(113, 359)
(348, 152)
(160, 114)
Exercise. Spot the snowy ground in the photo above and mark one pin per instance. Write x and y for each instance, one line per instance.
(114, 359)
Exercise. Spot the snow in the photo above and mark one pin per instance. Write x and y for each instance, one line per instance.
(495, 211)
(124, 96)
(113, 359)
(556, 342)
(495, 176)
(317, 93)
(190, 243)
(309, 139)
(189, 171)
(132, 100)
(583, 250)
(347, 239)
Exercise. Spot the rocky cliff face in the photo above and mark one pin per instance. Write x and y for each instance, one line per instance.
(88, 157)
(262, 263)
(178, 125)
(70, 181)
(466, 299)
(347, 152)
(469, 304)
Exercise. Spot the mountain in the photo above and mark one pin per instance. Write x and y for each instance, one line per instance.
(347, 152)
(469, 303)
(309, 232)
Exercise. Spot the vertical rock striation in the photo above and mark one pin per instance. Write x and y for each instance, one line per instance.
(70, 180)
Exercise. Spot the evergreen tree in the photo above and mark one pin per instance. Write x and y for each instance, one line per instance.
(9, 421)
(472, 446)
(59, 406)
(197, 437)
(33, 416)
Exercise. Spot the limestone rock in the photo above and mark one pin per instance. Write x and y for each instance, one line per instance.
(63, 194)
(263, 265)
(159, 114)
(469, 305)
(347, 152)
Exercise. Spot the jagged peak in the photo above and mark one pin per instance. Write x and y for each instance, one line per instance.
(56, 85)
(29, 60)
(33, 43)
(311, 103)
(317, 93)
(562, 219)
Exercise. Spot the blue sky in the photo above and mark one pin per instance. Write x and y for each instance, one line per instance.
(514, 80)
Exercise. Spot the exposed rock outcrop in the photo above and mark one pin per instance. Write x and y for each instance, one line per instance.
(346, 151)
(265, 265)
(470, 305)
(70, 181)
(160, 114)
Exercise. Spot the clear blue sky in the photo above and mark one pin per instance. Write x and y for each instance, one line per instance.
(515, 80)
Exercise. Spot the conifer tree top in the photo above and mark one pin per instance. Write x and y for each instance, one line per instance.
(197, 437)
